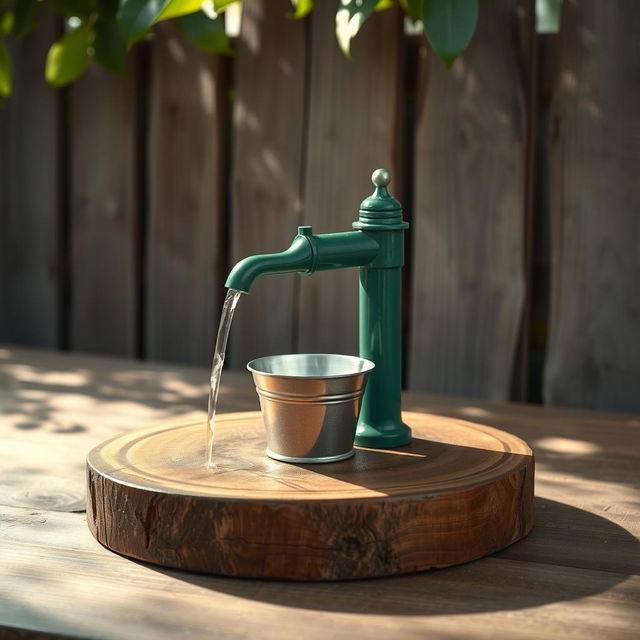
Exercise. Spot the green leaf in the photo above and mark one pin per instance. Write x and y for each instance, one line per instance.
(109, 48)
(5, 71)
(221, 5)
(383, 5)
(136, 17)
(412, 9)
(205, 32)
(349, 18)
(301, 8)
(449, 26)
(68, 58)
(6, 23)
(177, 8)
(24, 17)
(80, 8)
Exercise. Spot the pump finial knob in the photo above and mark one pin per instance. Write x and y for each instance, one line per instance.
(381, 177)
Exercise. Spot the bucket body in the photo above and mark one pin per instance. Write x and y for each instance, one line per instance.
(310, 404)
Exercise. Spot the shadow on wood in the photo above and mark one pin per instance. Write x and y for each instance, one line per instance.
(433, 592)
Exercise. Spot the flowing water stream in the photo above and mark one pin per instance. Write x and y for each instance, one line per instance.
(226, 318)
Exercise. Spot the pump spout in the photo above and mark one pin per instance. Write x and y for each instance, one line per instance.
(307, 254)
(298, 258)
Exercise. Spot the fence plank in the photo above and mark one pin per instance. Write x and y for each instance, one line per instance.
(353, 126)
(470, 168)
(30, 267)
(186, 260)
(104, 216)
(268, 131)
(524, 383)
(594, 350)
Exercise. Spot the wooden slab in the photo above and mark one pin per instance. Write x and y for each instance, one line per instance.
(459, 491)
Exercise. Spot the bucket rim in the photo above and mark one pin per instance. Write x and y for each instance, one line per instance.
(366, 366)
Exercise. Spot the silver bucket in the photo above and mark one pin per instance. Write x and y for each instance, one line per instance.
(310, 404)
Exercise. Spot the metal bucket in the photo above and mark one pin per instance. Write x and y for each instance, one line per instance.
(310, 404)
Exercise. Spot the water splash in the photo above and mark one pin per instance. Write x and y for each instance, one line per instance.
(226, 318)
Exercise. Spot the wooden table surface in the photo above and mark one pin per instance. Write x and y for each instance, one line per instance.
(575, 576)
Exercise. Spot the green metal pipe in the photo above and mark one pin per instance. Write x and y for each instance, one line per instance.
(380, 424)
(306, 255)
(341, 250)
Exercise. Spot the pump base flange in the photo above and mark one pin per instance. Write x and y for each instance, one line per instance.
(391, 437)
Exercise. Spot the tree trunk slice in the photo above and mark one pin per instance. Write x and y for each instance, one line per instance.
(459, 491)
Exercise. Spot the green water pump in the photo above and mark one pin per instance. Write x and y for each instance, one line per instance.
(377, 248)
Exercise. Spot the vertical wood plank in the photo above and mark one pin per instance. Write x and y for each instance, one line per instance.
(30, 198)
(594, 351)
(186, 260)
(470, 185)
(268, 138)
(548, 65)
(527, 56)
(353, 126)
(104, 212)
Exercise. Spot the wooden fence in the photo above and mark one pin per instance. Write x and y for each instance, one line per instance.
(125, 200)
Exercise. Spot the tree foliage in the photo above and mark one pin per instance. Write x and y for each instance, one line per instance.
(105, 30)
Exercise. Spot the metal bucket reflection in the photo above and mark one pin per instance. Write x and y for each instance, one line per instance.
(310, 404)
